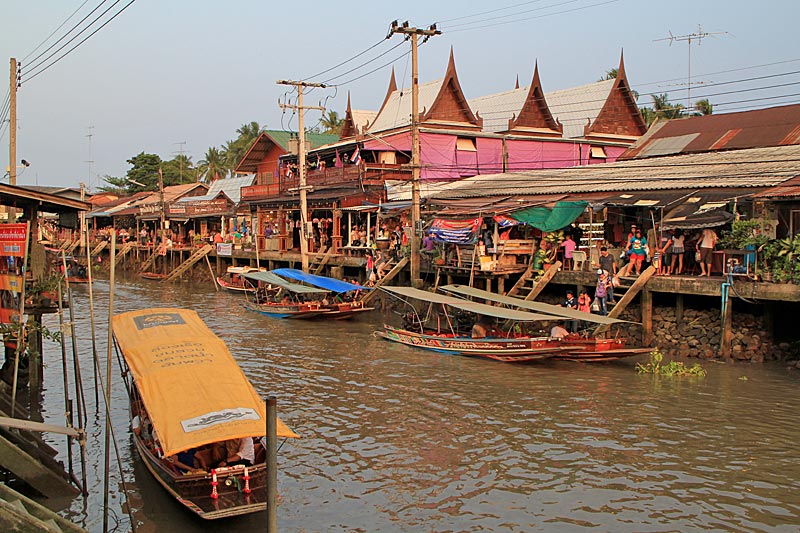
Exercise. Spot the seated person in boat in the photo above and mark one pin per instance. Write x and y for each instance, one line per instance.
(239, 452)
(185, 461)
(484, 328)
(559, 331)
(142, 427)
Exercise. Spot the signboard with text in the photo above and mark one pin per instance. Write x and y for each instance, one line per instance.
(13, 250)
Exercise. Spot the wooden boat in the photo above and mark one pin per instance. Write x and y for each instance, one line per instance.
(585, 348)
(153, 276)
(274, 296)
(506, 347)
(277, 297)
(593, 349)
(233, 280)
(185, 381)
(338, 307)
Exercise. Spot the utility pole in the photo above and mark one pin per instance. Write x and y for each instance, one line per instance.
(12, 125)
(301, 160)
(413, 34)
(161, 201)
(697, 36)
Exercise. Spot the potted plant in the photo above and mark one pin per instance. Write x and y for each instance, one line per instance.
(43, 292)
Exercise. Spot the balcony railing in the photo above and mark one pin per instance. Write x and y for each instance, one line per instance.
(373, 174)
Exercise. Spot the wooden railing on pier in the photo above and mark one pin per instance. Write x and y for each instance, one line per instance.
(149, 262)
(629, 295)
(186, 265)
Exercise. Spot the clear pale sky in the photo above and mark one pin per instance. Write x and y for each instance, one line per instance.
(169, 72)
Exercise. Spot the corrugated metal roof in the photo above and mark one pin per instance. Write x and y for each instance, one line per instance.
(232, 187)
(397, 111)
(774, 126)
(362, 118)
(573, 107)
(261, 146)
(758, 167)
(171, 193)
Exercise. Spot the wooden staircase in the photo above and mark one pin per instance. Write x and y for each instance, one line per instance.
(19, 513)
(127, 247)
(369, 295)
(99, 247)
(323, 261)
(189, 263)
(628, 294)
(149, 262)
(534, 286)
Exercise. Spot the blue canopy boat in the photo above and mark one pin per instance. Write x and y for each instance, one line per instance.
(339, 308)
(278, 298)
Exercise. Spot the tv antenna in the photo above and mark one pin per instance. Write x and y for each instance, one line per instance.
(697, 37)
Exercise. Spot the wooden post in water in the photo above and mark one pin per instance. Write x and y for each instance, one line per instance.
(107, 392)
(647, 317)
(726, 335)
(272, 465)
(678, 308)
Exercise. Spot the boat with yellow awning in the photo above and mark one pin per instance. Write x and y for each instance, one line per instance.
(187, 396)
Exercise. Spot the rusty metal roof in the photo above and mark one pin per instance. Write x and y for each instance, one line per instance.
(775, 126)
(755, 168)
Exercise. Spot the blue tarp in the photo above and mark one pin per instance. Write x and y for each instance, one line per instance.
(323, 282)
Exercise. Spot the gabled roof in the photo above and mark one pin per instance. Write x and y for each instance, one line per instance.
(172, 193)
(269, 138)
(620, 116)
(518, 111)
(231, 187)
(440, 102)
(114, 207)
(775, 126)
(578, 106)
(355, 120)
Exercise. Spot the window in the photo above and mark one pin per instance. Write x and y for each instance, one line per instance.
(466, 144)
(388, 158)
(597, 152)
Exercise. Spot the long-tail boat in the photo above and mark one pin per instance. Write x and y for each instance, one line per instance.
(452, 337)
(276, 297)
(586, 347)
(343, 303)
(234, 281)
(184, 384)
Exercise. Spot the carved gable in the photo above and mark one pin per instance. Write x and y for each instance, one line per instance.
(535, 115)
(450, 105)
(620, 116)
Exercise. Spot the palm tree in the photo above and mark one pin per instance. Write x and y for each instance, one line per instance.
(610, 74)
(704, 107)
(212, 166)
(331, 123)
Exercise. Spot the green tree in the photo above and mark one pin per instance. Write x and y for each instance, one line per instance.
(235, 150)
(212, 166)
(662, 108)
(178, 170)
(331, 123)
(610, 74)
(115, 185)
(703, 107)
(144, 170)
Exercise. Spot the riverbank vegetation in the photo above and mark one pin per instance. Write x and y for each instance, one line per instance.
(671, 368)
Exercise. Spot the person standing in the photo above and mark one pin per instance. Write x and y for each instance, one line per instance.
(708, 239)
(569, 246)
(677, 251)
(571, 303)
(638, 251)
(601, 292)
(608, 264)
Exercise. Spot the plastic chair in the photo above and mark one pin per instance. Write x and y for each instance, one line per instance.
(578, 259)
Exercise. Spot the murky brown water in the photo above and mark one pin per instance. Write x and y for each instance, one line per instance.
(396, 439)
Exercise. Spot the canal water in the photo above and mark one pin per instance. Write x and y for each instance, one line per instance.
(398, 439)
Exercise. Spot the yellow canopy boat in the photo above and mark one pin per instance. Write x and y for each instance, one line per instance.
(195, 395)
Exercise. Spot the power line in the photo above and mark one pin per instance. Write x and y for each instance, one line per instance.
(24, 59)
(511, 14)
(363, 64)
(84, 40)
(67, 34)
(346, 60)
(483, 26)
(489, 11)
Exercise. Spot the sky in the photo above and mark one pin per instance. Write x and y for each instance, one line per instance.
(165, 77)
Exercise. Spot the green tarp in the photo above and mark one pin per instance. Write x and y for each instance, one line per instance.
(561, 215)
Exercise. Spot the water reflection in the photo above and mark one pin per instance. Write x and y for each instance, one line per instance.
(396, 439)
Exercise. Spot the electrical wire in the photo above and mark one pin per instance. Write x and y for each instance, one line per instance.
(24, 59)
(511, 14)
(488, 12)
(398, 58)
(65, 36)
(83, 41)
(345, 61)
(484, 26)
(329, 80)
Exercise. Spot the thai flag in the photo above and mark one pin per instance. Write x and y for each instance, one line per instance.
(356, 157)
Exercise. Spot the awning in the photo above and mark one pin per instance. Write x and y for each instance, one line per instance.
(555, 310)
(545, 219)
(472, 307)
(194, 391)
(331, 284)
(456, 231)
(274, 279)
(689, 217)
